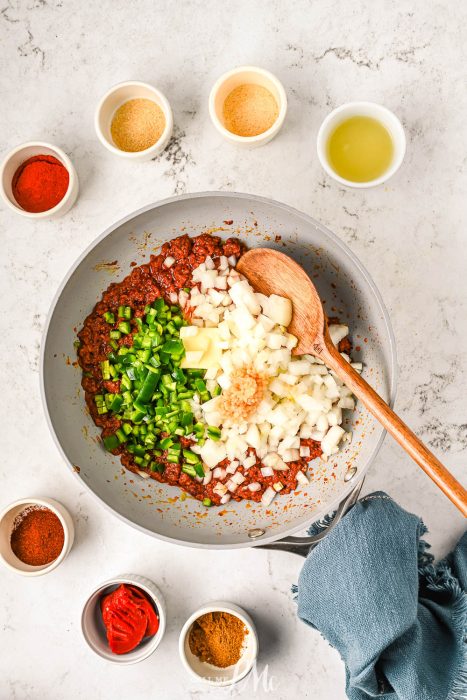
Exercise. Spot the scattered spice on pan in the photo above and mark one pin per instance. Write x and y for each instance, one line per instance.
(137, 125)
(40, 183)
(250, 110)
(128, 616)
(217, 638)
(37, 538)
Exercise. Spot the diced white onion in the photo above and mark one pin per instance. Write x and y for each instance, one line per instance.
(303, 399)
(243, 295)
(338, 332)
(290, 455)
(299, 367)
(331, 439)
(302, 478)
(254, 486)
(279, 310)
(249, 462)
(220, 282)
(253, 437)
(220, 489)
(346, 402)
(182, 298)
(213, 452)
(322, 423)
(268, 496)
(169, 261)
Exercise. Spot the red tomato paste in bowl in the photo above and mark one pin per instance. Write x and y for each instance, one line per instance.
(129, 617)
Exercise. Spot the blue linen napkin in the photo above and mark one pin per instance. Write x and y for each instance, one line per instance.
(398, 621)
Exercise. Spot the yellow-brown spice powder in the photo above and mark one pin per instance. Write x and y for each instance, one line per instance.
(217, 638)
(137, 124)
(250, 110)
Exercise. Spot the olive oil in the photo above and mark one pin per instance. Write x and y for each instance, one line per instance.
(360, 149)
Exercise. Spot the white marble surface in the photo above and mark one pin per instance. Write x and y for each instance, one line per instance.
(56, 60)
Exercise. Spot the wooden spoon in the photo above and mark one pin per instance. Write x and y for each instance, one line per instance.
(272, 272)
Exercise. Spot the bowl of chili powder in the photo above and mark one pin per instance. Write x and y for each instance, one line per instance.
(38, 180)
(218, 644)
(36, 534)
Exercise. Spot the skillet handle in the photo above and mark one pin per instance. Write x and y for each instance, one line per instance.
(303, 545)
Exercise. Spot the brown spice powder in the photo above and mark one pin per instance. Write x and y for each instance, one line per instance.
(138, 124)
(217, 638)
(245, 393)
(250, 110)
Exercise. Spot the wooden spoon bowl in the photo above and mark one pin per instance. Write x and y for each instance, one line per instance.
(272, 272)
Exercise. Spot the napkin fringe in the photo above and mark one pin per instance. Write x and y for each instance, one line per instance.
(315, 529)
(425, 558)
(440, 579)
(320, 525)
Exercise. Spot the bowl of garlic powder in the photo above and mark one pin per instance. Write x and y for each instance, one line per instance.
(134, 120)
(248, 105)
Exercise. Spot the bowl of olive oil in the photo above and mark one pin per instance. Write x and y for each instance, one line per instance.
(361, 144)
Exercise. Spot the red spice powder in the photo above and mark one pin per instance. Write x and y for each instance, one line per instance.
(37, 538)
(40, 183)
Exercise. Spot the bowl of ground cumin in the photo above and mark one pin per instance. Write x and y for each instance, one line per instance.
(218, 644)
(36, 534)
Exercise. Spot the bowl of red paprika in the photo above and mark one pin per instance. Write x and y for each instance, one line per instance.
(123, 620)
(36, 534)
(38, 181)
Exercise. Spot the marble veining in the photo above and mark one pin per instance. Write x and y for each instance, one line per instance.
(57, 59)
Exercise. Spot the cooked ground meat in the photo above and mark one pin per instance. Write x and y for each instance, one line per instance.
(143, 286)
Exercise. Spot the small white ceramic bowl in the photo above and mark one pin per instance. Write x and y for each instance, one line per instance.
(241, 76)
(7, 518)
(16, 157)
(362, 109)
(93, 627)
(113, 99)
(207, 672)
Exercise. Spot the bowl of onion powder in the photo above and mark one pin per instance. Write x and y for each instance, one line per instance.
(247, 106)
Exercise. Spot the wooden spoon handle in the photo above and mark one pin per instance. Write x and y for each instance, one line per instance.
(394, 425)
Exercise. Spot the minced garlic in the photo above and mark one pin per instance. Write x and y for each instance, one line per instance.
(245, 393)
(250, 110)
